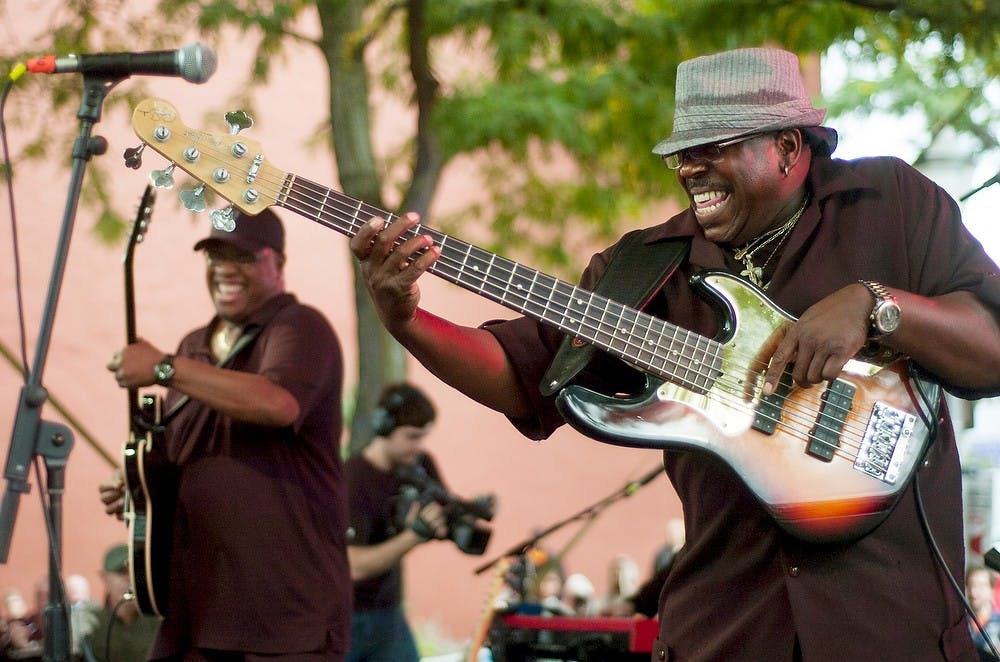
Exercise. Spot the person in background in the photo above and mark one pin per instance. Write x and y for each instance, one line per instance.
(979, 583)
(83, 611)
(675, 540)
(258, 559)
(579, 592)
(22, 639)
(380, 535)
(623, 582)
(865, 256)
(122, 632)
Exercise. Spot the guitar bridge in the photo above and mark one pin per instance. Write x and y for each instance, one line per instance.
(886, 441)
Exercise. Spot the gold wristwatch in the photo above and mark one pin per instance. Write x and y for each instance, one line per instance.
(885, 316)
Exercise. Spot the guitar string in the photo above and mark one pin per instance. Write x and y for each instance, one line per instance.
(355, 224)
(806, 419)
(295, 194)
(288, 187)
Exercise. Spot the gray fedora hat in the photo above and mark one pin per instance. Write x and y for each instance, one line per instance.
(740, 92)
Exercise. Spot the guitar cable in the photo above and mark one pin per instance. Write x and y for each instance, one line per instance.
(932, 426)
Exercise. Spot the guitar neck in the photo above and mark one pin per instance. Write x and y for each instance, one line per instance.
(642, 340)
(139, 227)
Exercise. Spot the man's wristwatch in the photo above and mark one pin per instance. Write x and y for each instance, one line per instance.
(163, 371)
(885, 315)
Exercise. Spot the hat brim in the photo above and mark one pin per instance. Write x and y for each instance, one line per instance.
(215, 242)
(681, 140)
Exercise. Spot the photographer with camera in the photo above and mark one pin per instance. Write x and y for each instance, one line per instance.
(397, 501)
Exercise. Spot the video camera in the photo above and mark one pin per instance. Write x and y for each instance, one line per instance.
(462, 516)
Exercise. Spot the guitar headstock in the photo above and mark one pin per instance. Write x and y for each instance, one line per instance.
(229, 164)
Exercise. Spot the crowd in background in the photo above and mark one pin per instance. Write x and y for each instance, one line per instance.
(96, 628)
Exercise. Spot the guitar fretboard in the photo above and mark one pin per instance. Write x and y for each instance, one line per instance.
(657, 347)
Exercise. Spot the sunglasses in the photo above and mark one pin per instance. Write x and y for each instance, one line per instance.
(227, 254)
(711, 153)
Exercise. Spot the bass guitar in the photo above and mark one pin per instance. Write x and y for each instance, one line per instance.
(148, 500)
(827, 462)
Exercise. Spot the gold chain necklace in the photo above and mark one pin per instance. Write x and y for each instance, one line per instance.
(776, 237)
(224, 337)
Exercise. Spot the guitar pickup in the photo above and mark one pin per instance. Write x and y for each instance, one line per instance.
(824, 438)
(767, 415)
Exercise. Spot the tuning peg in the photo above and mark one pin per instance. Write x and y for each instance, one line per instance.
(238, 120)
(194, 199)
(133, 156)
(224, 219)
(163, 178)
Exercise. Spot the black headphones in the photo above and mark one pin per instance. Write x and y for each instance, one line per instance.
(383, 421)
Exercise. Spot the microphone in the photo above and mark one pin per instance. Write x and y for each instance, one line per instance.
(194, 63)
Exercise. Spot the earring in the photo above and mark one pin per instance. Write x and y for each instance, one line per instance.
(784, 169)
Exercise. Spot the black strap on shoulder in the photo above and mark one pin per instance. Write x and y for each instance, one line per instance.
(248, 336)
(636, 272)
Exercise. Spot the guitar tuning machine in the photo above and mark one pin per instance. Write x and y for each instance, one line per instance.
(133, 156)
(163, 178)
(194, 199)
(238, 120)
(224, 219)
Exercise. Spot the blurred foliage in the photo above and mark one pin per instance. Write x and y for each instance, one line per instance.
(561, 100)
(555, 104)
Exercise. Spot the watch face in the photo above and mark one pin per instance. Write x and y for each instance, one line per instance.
(887, 317)
(164, 371)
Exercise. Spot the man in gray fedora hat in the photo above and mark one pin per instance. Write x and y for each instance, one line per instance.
(813, 511)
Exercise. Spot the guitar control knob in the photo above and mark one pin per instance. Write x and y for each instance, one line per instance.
(238, 120)
(163, 178)
(224, 219)
(133, 156)
(194, 199)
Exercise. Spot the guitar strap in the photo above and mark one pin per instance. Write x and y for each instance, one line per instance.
(635, 273)
(242, 342)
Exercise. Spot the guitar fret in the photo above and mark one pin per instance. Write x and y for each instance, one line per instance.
(521, 289)
(626, 329)
(357, 216)
(322, 206)
(647, 346)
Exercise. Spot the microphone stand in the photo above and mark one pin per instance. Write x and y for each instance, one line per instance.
(989, 182)
(589, 513)
(32, 437)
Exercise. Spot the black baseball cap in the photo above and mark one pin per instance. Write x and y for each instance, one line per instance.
(251, 234)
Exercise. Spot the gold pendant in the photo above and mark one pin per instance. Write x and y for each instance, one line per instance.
(753, 274)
